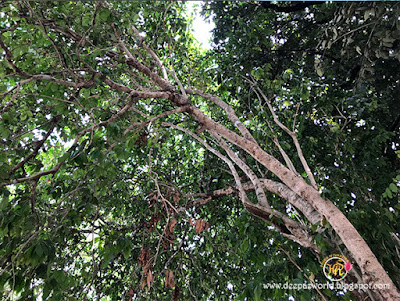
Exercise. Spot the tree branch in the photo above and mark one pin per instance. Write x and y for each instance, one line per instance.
(292, 135)
(242, 192)
(274, 187)
(36, 176)
(40, 143)
(261, 197)
(298, 232)
(230, 112)
(151, 52)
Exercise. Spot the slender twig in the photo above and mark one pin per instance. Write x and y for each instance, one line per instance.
(40, 143)
(292, 135)
(301, 270)
(242, 193)
(285, 156)
(150, 51)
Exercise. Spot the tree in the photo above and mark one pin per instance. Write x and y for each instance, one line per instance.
(135, 165)
(343, 92)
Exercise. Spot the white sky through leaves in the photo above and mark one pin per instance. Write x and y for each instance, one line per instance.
(201, 29)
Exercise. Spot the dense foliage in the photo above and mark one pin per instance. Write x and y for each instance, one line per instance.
(114, 186)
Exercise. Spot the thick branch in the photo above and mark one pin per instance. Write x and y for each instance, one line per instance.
(132, 61)
(231, 114)
(298, 202)
(261, 197)
(297, 233)
(277, 188)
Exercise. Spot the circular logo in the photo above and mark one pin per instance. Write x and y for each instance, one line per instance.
(335, 267)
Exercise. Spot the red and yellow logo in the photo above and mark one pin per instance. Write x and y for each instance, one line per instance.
(336, 267)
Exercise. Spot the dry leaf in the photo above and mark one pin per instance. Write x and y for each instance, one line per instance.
(172, 224)
(197, 226)
(149, 279)
(200, 226)
(175, 198)
(155, 218)
(169, 275)
(144, 257)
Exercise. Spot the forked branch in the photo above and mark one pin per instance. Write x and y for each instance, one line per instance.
(291, 134)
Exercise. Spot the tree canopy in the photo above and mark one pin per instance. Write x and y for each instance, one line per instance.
(134, 165)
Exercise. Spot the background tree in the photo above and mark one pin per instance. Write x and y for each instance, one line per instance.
(136, 166)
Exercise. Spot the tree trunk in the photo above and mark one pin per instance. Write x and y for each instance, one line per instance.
(372, 271)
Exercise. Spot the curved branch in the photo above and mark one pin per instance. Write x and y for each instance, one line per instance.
(274, 187)
(36, 176)
(297, 232)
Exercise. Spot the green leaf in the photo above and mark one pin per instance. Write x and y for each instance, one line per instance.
(244, 246)
(39, 249)
(388, 193)
(104, 14)
(86, 20)
(393, 187)
(4, 131)
(59, 276)
(257, 293)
